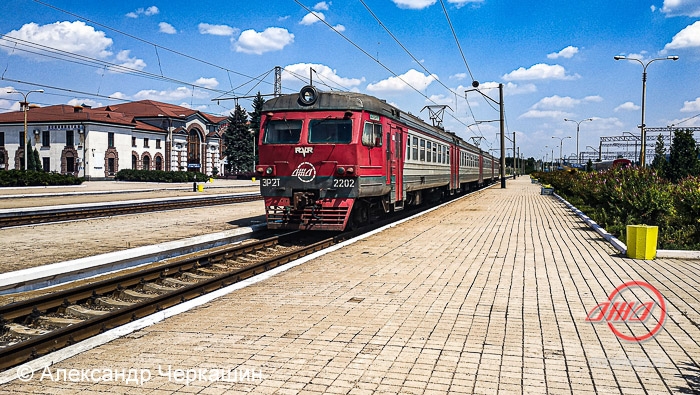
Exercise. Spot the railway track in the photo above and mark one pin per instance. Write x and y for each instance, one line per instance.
(41, 325)
(43, 215)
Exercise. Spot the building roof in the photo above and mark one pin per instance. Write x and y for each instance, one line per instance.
(122, 114)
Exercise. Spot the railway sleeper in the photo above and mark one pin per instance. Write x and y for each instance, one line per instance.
(129, 294)
(57, 322)
(159, 289)
(84, 313)
(112, 303)
(173, 282)
(209, 272)
(18, 330)
(195, 277)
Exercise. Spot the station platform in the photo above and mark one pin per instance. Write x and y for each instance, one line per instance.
(487, 294)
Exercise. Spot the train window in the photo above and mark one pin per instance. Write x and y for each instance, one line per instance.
(408, 148)
(422, 150)
(331, 131)
(282, 132)
(439, 156)
(435, 153)
(429, 149)
(372, 135)
(415, 148)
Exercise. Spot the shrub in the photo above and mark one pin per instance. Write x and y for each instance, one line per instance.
(21, 178)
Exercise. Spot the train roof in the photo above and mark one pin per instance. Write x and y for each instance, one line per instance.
(353, 101)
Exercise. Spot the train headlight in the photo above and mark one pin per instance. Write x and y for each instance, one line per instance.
(340, 170)
(351, 170)
(269, 170)
(260, 169)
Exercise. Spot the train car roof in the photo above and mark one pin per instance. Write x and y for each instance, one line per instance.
(353, 101)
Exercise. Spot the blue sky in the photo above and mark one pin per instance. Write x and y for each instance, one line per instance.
(555, 58)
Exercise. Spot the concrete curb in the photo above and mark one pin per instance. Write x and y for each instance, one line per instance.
(620, 246)
(63, 272)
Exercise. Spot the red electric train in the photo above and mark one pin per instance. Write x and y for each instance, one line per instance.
(332, 160)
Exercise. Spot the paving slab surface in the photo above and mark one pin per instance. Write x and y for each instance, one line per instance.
(489, 294)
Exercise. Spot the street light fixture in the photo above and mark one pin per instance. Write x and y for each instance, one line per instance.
(635, 143)
(643, 150)
(578, 125)
(561, 143)
(25, 108)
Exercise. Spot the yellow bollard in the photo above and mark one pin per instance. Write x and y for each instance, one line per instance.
(253, 179)
(200, 188)
(641, 241)
(211, 180)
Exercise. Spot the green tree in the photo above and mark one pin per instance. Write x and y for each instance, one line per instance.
(239, 142)
(659, 162)
(589, 166)
(683, 159)
(31, 161)
(255, 118)
(38, 166)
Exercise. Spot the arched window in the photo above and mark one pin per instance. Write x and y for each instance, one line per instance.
(147, 163)
(193, 154)
(159, 163)
(134, 161)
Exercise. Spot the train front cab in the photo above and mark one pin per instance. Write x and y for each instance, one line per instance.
(319, 168)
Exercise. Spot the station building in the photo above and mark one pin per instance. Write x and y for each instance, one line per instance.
(96, 143)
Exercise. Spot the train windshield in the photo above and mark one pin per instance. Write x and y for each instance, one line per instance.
(331, 131)
(282, 132)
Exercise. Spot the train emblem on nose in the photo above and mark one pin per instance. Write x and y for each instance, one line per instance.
(304, 150)
(305, 172)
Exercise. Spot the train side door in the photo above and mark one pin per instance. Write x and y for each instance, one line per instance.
(481, 168)
(394, 159)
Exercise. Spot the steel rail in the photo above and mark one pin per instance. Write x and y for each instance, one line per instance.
(13, 218)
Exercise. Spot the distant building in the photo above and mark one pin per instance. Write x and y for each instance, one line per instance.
(98, 142)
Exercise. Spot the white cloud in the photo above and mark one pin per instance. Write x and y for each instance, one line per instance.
(75, 37)
(166, 28)
(339, 28)
(323, 73)
(311, 18)
(681, 8)
(509, 89)
(217, 30)
(462, 3)
(80, 102)
(180, 93)
(125, 61)
(152, 10)
(414, 4)
(567, 53)
(459, 76)
(689, 37)
(322, 6)
(557, 101)
(546, 114)
(627, 106)
(272, 39)
(540, 71)
(119, 95)
(412, 77)
(691, 106)
(207, 82)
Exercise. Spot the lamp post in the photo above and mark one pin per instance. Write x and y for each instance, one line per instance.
(25, 108)
(578, 126)
(643, 150)
(561, 143)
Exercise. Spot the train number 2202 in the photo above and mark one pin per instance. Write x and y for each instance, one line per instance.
(343, 182)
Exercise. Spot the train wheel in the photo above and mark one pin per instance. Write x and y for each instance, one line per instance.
(360, 215)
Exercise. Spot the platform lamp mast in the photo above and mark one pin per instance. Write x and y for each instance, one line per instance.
(25, 107)
(501, 120)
